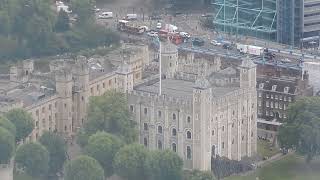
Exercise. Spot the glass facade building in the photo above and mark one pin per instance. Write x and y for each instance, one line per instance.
(247, 17)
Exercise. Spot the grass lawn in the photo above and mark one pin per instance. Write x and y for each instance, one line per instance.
(264, 148)
(292, 167)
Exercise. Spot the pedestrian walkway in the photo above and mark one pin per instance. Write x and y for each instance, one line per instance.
(6, 172)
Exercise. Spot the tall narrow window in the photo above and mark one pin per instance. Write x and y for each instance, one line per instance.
(159, 144)
(174, 116)
(189, 135)
(188, 119)
(189, 153)
(159, 114)
(145, 142)
(145, 126)
(160, 129)
(174, 132)
(174, 147)
(145, 111)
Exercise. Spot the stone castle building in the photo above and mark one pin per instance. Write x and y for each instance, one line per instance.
(58, 99)
(203, 110)
(206, 107)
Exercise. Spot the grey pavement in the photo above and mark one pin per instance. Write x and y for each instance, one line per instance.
(6, 172)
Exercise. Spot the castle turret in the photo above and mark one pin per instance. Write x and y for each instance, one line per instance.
(81, 92)
(247, 73)
(201, 151)
(169, 59)
(64, 84)
(125, 78)
(249, 110)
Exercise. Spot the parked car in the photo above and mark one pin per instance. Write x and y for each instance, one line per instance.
(198, 42)
(159, 25)
(106, 15)
(184, 34)
(131, 17)
(227, 46)
(146, 28)
(152, 34)
(215, 43)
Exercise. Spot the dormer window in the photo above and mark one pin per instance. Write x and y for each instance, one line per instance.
(261, 85)
(286, 89)
(274, 87)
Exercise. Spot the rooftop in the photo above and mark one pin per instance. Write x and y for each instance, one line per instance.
(180, 88)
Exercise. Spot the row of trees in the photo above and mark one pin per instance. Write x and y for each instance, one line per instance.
(109, 143)
(15, 126)
(36, 159)
(33, 28)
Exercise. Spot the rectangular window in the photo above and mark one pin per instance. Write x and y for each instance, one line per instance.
(267, 103)
(50, 107)
(91, 90)
(276, 96)
(43, 109)
(271, 104)
(289, 99)
(267, 96)
(131, 108)
(145, 126)
(271, 96)
(159, 114)
(103, 85)
(145, 111)
(259, 94)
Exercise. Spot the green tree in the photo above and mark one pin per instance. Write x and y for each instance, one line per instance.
(103, 147)
(23, 122)
(57, 150)
(129, 162)
(5, 123)
(301, 129)
(62, 23)
(33, 158)
(164, 165)
(198, 175)
(110, 113)
(7, 145)
(83, 168)
(84, 10)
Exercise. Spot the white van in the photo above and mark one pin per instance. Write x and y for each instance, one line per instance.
(106, 15)
(131, 17)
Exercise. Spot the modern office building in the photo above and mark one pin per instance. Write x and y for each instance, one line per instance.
(290, 22)
(247, 17)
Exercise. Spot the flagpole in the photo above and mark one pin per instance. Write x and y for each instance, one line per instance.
(160, 72)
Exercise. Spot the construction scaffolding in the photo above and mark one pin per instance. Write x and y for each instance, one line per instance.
(256, 18)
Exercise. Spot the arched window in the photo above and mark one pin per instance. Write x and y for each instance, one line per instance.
(174, 116)
(159, 144)
(145, 142)
(160, 129)
(189, 135)
(189, 153)
(174, 132)
(174, 147)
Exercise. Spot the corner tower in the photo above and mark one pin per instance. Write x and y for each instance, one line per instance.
(64, 85)
(81, 92)
(169, 59)
(201, 151)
